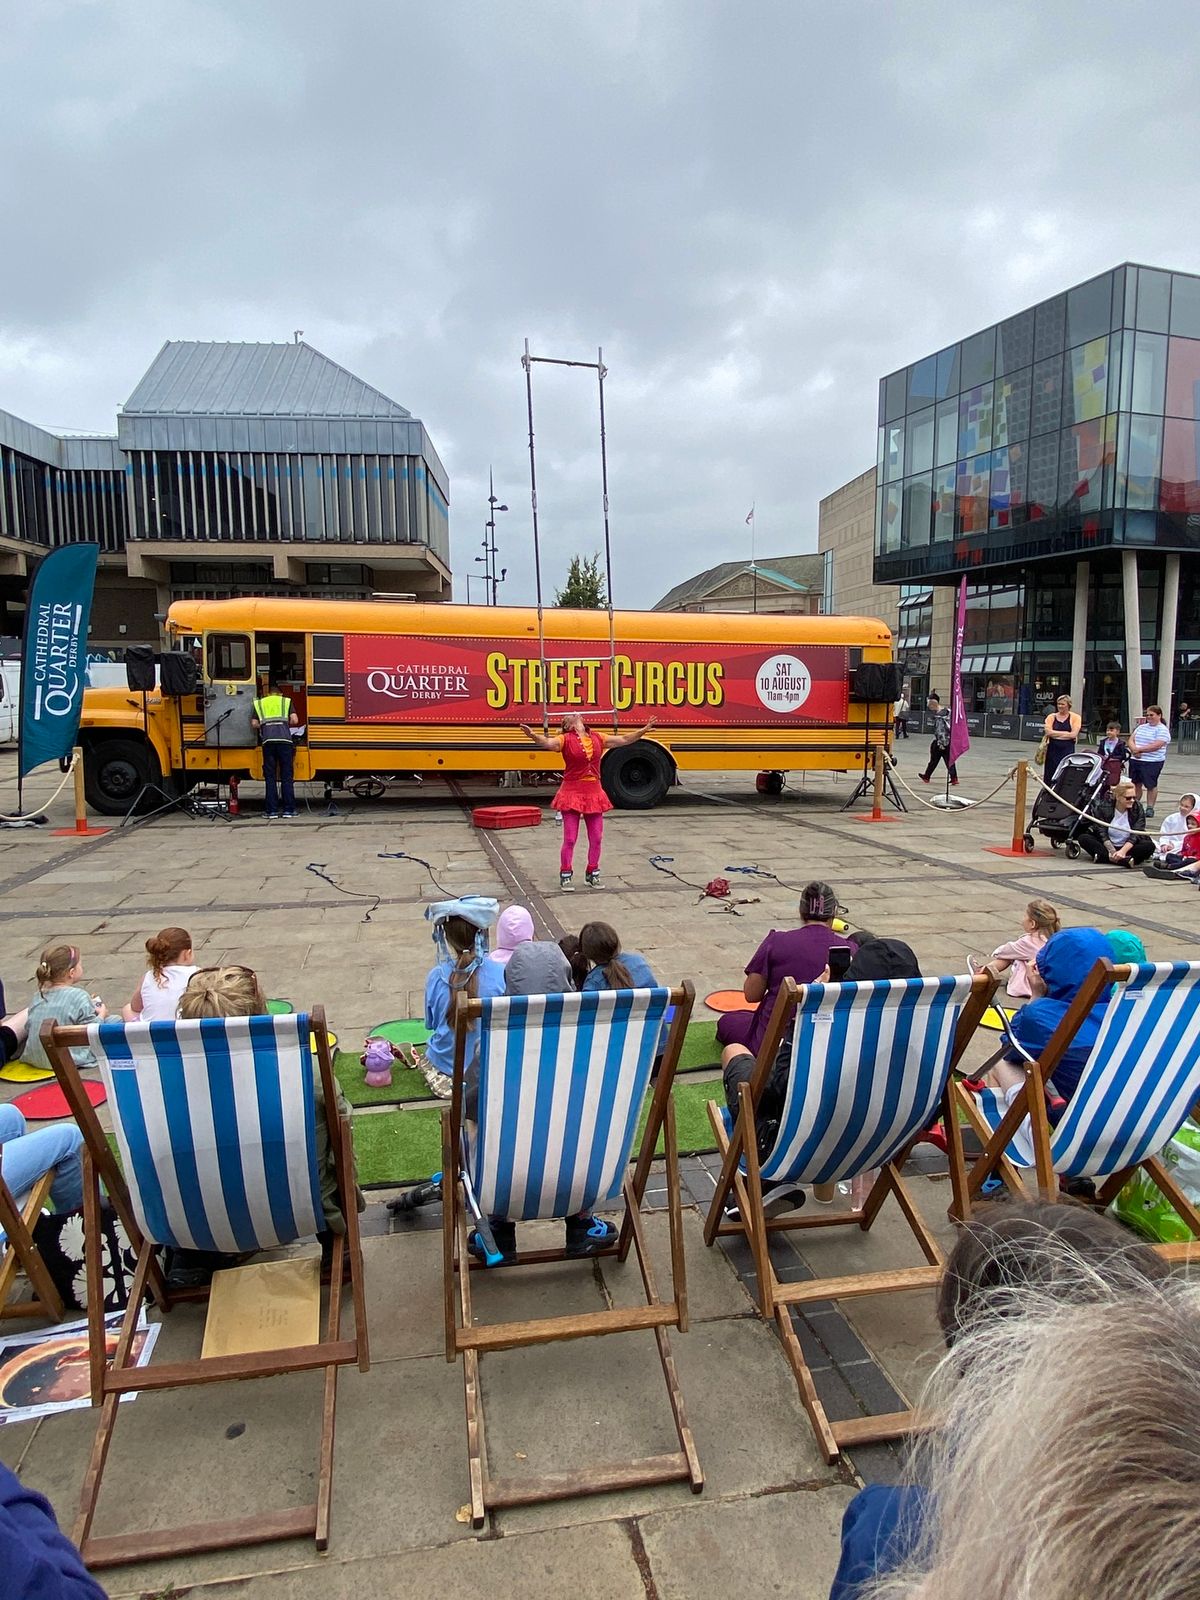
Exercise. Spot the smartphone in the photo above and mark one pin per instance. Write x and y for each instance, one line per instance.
(839, 961)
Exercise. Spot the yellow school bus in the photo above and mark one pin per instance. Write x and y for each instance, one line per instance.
(384, 687)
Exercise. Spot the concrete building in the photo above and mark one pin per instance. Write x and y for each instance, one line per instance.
(846, 535)
(1054, 457)
(236, 469)
(777, 586)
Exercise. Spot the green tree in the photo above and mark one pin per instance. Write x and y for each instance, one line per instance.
(584, 588)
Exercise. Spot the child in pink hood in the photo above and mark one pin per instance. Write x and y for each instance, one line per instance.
(514, 927)
(1038, 924)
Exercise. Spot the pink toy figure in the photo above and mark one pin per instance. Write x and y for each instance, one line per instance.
(377, 1058)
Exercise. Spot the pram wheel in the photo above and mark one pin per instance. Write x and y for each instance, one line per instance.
(1055, 844)
(1072, 850)
(1028, 843)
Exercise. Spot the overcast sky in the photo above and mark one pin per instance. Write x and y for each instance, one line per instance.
(756, 208)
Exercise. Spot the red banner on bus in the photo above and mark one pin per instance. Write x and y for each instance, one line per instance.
(405, 678)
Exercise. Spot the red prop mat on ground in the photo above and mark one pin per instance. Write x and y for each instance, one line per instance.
(728, 1000)
(49, 1102)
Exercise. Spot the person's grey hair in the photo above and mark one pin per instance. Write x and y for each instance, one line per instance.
(1068, 1463)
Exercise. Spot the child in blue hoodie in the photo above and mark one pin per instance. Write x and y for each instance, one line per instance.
(1056, 976)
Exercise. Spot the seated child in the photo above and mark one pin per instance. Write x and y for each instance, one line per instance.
(236, 992)
(569, 945)
(1174, 828)
(171, 964)
(1183, 863)
(531, 966)
(62, 999)
(1055, 977)
(1039, 923)
(460, 930)
(610, 967)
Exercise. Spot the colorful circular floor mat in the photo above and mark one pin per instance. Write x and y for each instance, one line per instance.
(49, 1102)
(728, 1000)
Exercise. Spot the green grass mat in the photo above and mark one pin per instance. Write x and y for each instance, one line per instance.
(396, 1147)
(280, 1008)
(700, 1049)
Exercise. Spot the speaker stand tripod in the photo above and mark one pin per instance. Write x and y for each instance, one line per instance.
(866, 784)
(170, 802)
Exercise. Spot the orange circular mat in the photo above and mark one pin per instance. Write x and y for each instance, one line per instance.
(728, 1000)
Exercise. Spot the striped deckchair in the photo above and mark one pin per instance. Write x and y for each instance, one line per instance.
(215, 1124)
(870, 1070)
(19, 1253)
(1140, 1080)
(562, 1080)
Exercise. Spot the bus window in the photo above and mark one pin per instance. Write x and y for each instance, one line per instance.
(229, 657)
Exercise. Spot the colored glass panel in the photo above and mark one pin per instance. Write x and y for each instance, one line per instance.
(979, 359)
(890, 517)
(1042, 489)
(1179, 492)
(897, 389)
(1089, 381)
(946, 446)
(918, 510)
(1141, 466)
(1185, 305)
(1086, 451)
(947, 372)
(893, 451)
(944, 486)
(1089, 306)
(1183, 378)
(975, 420)
(1050, 327)
(972, 492)
(1006, 494)
(1148, 378)
(1153, 300)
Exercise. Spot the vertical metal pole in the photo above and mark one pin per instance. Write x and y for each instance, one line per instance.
(537, 554)
(489, 565)
(601, 371)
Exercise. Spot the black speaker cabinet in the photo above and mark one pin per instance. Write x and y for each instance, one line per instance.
(877, 681)
(139, 666)
(179, 672)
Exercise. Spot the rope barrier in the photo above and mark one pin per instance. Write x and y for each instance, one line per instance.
(929, 804)
(32, 816)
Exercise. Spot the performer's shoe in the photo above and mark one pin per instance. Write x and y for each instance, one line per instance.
(564, 882)
(593, 879)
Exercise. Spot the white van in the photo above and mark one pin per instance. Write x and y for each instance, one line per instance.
(10, 700)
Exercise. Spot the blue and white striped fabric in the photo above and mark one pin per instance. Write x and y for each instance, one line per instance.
(869, 1067)
(216, 1124)
(1138, 1085)
(562, 1078)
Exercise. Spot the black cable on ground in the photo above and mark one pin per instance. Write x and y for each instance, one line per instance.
(317, 868)
(403, 855)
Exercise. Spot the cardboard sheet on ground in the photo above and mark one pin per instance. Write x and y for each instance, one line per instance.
(268, 1305)
(45, 1372)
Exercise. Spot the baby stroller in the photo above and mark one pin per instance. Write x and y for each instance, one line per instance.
(1077, 782)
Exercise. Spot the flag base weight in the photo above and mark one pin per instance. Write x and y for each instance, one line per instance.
(868, 816)
(1006, 850)
(951, 802)
(86, 832)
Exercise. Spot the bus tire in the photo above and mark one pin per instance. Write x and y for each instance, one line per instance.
(114, 771)
(638, 776)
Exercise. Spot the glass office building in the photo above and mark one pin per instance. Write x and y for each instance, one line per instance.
(1054, 458)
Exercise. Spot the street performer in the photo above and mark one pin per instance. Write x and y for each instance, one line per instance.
(581, 794)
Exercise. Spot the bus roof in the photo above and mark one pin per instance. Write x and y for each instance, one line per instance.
(459, 621)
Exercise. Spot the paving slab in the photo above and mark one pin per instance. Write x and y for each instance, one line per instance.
(778, 1544)
(713, 1288)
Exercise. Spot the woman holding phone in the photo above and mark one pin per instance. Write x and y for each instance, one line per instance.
(801, 953)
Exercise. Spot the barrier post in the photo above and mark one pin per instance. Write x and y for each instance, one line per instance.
(877, 812)
(1020, 793)
(81, 828)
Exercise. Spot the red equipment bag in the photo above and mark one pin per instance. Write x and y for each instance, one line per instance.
(506, 816)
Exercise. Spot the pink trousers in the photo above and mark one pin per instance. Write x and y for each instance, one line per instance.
(595, 834)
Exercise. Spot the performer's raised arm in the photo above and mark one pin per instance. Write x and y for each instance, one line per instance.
(614, 741)
(540, 739)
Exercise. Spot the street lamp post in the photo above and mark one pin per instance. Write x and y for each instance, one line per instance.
(489, 543)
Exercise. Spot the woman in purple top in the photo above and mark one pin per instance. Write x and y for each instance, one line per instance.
(800, 953)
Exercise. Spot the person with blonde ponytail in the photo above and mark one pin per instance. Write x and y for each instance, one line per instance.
(170, 966)
(61, 998)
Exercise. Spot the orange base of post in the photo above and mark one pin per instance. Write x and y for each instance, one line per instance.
(859, 817)
(86, 832)
(1006, 850)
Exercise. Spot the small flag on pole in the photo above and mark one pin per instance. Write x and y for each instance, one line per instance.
(750, 516)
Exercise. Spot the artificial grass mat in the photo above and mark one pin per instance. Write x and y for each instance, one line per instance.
(700, 1049)
(397, 1147)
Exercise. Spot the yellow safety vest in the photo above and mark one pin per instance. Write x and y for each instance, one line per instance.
(273, 711)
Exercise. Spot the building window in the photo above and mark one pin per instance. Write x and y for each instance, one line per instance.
(975, 420)
(1183, 378)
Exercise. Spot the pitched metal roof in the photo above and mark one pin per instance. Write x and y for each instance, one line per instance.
(789, 572)
(193, 378)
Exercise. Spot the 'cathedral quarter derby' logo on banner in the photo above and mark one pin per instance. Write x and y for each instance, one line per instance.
(404, 678)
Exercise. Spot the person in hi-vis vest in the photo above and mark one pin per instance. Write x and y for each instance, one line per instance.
(273, 720)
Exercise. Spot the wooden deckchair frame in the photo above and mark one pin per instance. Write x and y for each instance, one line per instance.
(775, 1298)
(21, 1251)
(470, 1339)
(111, 1381)
(1030, 1101)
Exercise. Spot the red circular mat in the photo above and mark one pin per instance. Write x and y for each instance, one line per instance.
(728, 1000)
(49, 1102)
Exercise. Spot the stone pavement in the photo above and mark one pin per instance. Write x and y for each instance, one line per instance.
(770, 1511)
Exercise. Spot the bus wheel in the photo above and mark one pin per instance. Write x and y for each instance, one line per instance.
(114, 770)
(637, 776)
